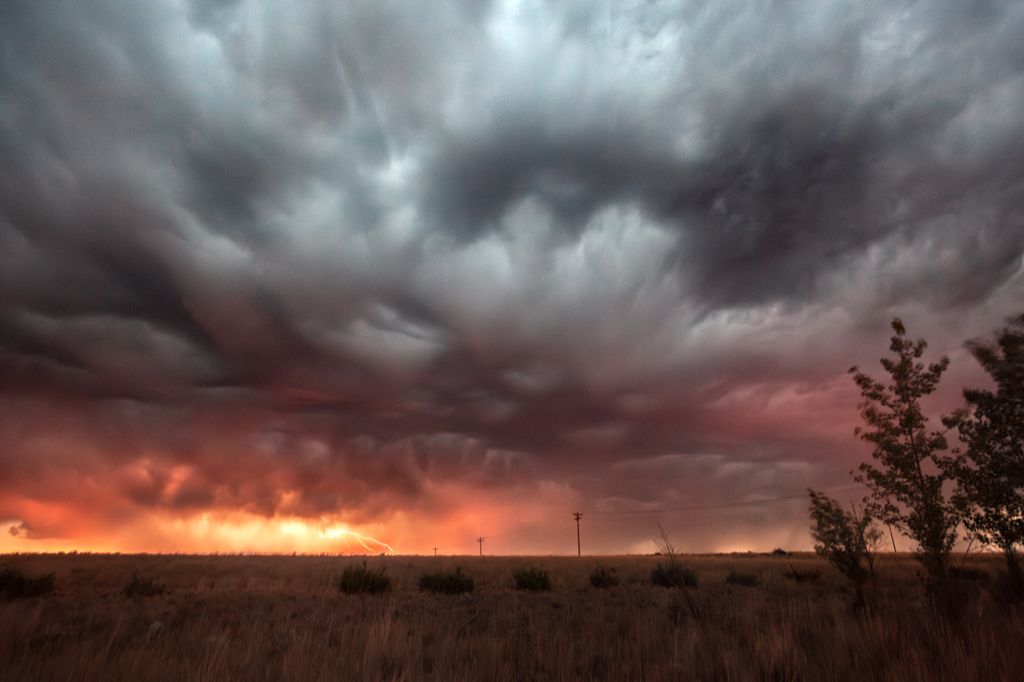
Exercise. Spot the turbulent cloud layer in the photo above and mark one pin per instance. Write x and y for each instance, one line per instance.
(440, 272)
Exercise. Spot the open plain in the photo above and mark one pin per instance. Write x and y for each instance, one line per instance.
(283, 617)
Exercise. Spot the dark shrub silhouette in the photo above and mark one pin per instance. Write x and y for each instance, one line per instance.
(15, 585)
(532, 579)
(143, 587)
(673, 575)
(842, 537)
(447, 583)
(603, 578)
(361, 580)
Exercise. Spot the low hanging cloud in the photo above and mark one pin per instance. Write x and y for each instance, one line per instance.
(411, 270)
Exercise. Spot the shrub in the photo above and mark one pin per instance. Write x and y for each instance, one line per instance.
(811, 575)
(847, 539)
(361, 580)
(603, 578)
(745, 579)
(143, 587)
(673, 574)
(532, 579)
(778, 551)
(447, 583)
(14, 585)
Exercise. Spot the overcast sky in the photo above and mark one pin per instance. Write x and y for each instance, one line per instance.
(274, 271)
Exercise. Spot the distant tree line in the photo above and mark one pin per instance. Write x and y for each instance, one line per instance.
(923, 486)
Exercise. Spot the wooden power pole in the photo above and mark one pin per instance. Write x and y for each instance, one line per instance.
(577, 516)
(480, 540)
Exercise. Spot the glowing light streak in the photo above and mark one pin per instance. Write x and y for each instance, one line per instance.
(370, 544)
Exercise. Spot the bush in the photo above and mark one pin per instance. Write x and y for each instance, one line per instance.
(745, 579)
(603, 578)
(778, 551)
(532, 579)
(673, 574)
(14, 585)
(143, 587)
(361, 580)
(447, 583)
(796, 575)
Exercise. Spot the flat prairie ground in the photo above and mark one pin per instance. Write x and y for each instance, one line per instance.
(282, 617)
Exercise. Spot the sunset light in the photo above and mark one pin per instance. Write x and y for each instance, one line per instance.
(679, 337)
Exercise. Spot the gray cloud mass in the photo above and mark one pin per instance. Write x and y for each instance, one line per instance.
(354, 249)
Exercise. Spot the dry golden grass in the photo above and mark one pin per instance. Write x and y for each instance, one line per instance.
(269, 618)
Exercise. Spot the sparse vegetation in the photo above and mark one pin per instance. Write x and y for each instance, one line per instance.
(455, 582)
(744, 579)
(842, 537)
(532, 579)
(673, 575)
(279, 618)
(143, 587)
(15, 585)
(362, 580)
(603, 578)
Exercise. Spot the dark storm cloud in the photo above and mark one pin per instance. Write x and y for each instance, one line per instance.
(296, 259)
(801, 166)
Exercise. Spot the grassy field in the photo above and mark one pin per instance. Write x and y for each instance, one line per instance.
(268, 618)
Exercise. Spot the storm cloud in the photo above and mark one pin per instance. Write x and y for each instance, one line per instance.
(416, 268)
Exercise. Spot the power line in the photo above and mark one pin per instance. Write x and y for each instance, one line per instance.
(720, 505)
(479, 540)
(663, 510)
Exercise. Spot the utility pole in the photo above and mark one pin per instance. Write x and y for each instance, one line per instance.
(435, 551)
(481, 541)
(577, 516)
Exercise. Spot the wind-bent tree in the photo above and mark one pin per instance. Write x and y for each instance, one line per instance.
(909, 469)
(990, 475)
(842, 537)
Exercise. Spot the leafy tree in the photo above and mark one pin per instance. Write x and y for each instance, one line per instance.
(990, 475)
(909, 471)
(842, 537)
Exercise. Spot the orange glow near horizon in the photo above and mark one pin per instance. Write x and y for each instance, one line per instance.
(210, 532)
(68, 526)
(451, 522)
(243, 533)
